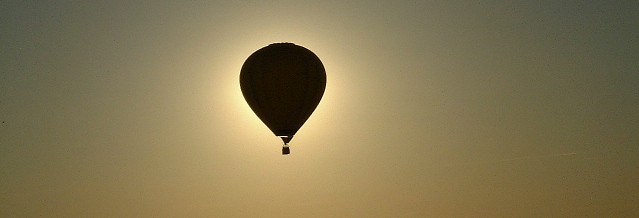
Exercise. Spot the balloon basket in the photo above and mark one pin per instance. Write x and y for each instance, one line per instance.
(286, 150)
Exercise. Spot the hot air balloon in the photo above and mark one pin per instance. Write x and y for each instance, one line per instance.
(283, 83)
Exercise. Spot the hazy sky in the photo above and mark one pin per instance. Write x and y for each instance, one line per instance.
(432, 109)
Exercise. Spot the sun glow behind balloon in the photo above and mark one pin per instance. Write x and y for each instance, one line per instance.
(324, 118)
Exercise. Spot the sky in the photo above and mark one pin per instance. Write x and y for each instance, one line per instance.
(431, 109)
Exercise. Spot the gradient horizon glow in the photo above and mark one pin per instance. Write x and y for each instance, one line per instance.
(431, 109)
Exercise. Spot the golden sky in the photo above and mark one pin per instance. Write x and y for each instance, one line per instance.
(432, 109)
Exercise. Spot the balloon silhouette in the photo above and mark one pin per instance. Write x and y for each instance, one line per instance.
(283, 83)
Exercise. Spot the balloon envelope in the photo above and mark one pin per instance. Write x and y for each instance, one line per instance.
(283, 83)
